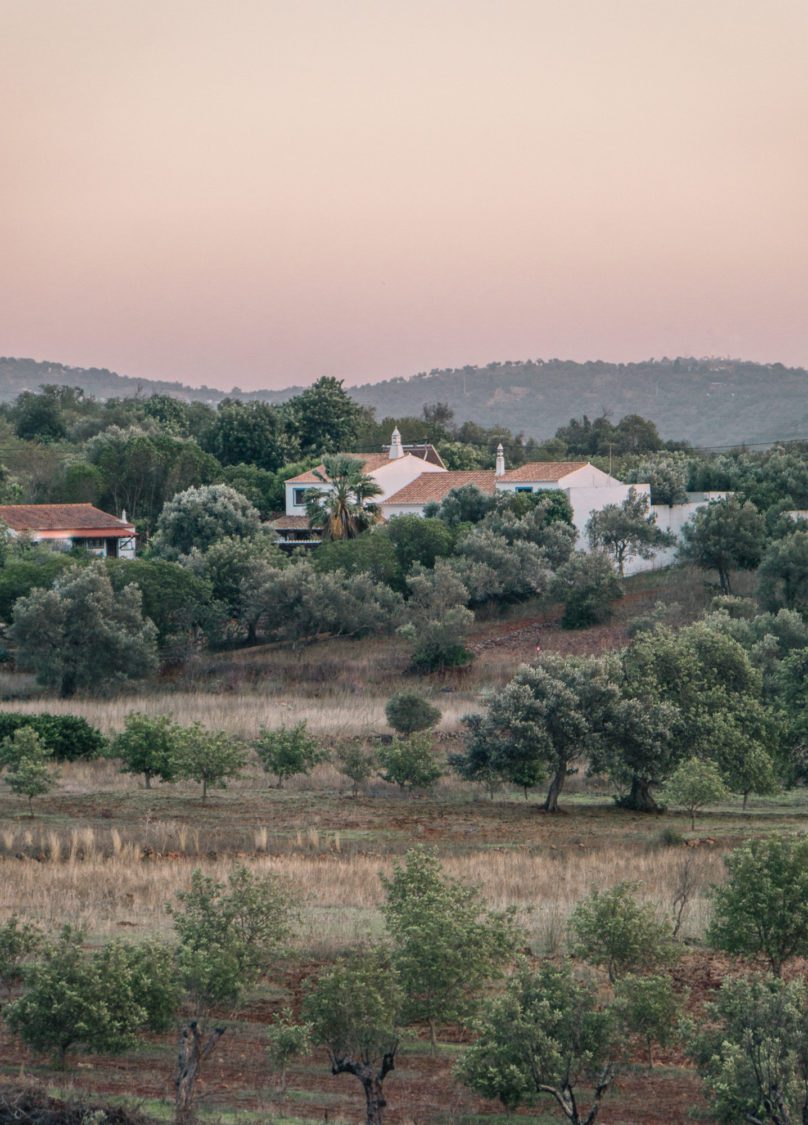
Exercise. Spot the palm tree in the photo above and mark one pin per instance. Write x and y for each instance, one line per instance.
(343, 512)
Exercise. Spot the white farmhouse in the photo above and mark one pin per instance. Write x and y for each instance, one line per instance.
(411, 477)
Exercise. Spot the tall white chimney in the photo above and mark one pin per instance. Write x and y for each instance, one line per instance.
(396, 449)
(500, 461)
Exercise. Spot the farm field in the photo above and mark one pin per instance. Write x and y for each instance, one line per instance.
(104, 853)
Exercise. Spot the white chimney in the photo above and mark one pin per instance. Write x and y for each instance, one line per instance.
(396, 449)
(500, 461)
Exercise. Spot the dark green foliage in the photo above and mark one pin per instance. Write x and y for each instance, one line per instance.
(466, 504)
(357, 763)
(38, 417)
(200, 517)
(20, 576)
(371, 554)
(419, 540)
(323, 418)
(546, 1035)
(762, 909)
(437, 620)
(19, 941)
(408, 712)
(68, 737)
(250, 433)
(176, 600)
(648, 1008)
(210, 757)
(628, 530)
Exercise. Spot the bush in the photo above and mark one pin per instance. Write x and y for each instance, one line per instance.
(611, 928)
(587, 585)
(695, 784)
(408, 712)
(288, 751)
(649, 1008)
(356, 763)
(68, 737)
(410, 763)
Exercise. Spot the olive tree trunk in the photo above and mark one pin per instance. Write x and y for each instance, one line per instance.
(194, 1048)
(371, 1080)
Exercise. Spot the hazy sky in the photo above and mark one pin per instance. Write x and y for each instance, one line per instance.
(264, 191)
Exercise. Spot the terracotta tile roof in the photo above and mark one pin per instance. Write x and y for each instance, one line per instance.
(538, 471)
(434, 486)
(290, 523)
(370, 462)
(61, 517)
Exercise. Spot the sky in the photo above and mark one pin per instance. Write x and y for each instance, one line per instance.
(261, 192)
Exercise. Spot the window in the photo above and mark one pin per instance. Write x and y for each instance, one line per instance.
(299, 497)
(523, 488)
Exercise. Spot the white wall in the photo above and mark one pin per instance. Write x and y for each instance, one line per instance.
(391, 476)
(672, 519)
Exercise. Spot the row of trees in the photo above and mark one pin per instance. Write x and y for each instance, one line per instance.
(551, 1031)
(728, 689)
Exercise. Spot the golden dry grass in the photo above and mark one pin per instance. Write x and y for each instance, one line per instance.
(116, 891)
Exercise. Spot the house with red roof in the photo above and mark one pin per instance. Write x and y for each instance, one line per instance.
(64, 526)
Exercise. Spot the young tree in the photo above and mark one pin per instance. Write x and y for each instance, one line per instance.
(587, 585)
(446, 945)
(324, 418)
(287, 751)
(250, 433)
(627, 530)
(100, 1001)
(148, 745)
(286, 1040)
(345, 509)
(648, 1007)
(751, 1048)
(667, 474)
(613, 929)
(229, 935)
(357, 763)
(725, 535)
(29, 773)
(437, 620)
(410, 762)
(762, 909)
(694, 785)
(545, 1036)
(354, 1010)
(210, 757)
(200, 517)
(81, 635)
(408, 712)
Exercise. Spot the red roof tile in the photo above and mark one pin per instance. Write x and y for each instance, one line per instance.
(370, 461)
(61, 517)
(435, 486)
(537, 472)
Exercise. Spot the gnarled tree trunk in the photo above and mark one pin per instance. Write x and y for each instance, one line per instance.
(554, 792)
(193, 1050)
(640, 799)
(371, 1080)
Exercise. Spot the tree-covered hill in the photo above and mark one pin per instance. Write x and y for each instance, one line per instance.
(705, 401)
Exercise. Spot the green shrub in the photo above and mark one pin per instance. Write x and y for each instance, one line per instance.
(410, 763)
(408, 712)
(68, 737)
(613, 929)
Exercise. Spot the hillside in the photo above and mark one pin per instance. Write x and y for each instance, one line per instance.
(706, 401)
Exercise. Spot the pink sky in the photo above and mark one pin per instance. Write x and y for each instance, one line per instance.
(262, 192)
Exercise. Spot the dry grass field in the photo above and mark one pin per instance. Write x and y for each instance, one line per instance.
(104, 853)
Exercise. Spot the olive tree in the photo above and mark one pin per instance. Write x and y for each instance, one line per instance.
(762, 909)
(725, 535)
(446, 944)
(29, 772)
(545, 1036)
(200, 517)
(408, 712)
(82, 635)
(628, 530)
(353, 1009)
(649, 1008)
(410, 763)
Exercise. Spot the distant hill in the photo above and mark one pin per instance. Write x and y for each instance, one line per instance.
(705, 401)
